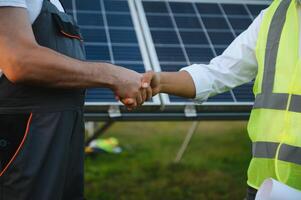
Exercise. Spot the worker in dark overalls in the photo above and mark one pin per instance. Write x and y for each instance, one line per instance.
(41, 103)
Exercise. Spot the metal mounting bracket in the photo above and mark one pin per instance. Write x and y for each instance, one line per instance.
(114, 111)
(190, 111)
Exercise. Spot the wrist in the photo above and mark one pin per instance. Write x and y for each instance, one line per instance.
(162, 82)
(113, 79)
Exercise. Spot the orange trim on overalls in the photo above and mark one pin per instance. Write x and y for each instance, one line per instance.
(20, 146)
(71, 36)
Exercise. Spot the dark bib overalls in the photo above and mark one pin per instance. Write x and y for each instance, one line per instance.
(42, 129)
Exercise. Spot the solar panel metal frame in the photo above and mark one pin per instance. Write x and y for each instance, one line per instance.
(104, 106)
(156, 64)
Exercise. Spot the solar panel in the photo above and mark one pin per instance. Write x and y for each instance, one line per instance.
(110, 35)
(184, 33)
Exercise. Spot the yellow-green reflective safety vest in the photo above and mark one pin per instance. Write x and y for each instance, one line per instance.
(275, 122)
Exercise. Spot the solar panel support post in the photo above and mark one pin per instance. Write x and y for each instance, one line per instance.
(186, 141)
(100, 131)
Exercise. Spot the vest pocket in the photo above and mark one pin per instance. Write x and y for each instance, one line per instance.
(66, 26)
(14, 130)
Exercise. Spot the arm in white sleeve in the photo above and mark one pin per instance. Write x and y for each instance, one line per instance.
(236, 66)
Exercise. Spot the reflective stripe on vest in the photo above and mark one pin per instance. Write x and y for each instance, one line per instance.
(268, 150)
(278, 101)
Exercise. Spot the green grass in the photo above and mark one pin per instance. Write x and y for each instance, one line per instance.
(213, 167)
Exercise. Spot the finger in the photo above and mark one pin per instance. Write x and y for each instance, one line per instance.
(139, 99)
(144, 95)
(128, 101)
(147, 78)
(149, 93)
(132, 106)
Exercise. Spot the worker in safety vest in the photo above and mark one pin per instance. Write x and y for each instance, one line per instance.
(270, 52)
(42, 92)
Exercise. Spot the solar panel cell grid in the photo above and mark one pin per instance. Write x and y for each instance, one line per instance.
(208, 9)
(188, 22)
(256, 9)
(94, 35)
(215, 22)
(116, 6)
(244, 93)
(235, 9)
(179, 8)
(155, 7)
(194, 38)
(98, 52)
(94, 19)
(198, 54)
(90, 5)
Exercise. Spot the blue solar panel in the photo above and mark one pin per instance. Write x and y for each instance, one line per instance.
(224, 97)
(215, 22)
(165, 37)
(256, 9)
(93, 19)
(90, 5)
(98, 52)
(120, 20)
(109, 35)
(208, 9)
(155, 7)
(123, 36)
(244, 93)
(221, 38)
(126, 53)
(240, 23)
(94, 35)
(235, 9)
(188, 22)
(170, 54)
(159, 21)
(198, 54)
(193, 38)
(181, 8)
(116, 6)
(188, 32)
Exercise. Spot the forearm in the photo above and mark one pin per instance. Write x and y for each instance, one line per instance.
(177, 83)
(23, 61)
(42, 66)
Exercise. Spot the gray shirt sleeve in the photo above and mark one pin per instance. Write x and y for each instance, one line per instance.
(13, 3)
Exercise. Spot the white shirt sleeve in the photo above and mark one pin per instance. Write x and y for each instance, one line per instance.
(236, 66)
(13, 3)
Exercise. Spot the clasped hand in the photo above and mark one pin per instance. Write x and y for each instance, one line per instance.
(133, 89)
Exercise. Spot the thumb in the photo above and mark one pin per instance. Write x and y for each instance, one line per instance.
(147, 79)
